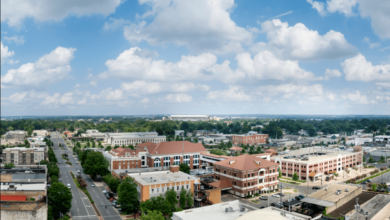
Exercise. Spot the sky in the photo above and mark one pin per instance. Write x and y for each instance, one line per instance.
(123, 57)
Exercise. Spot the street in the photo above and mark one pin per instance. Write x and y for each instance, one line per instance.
(81, 206)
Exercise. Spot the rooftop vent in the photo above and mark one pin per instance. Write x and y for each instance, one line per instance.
(326, 189)
(346, 190)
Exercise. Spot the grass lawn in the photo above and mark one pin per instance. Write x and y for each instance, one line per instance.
(255, 201)
(290, 179)
(295, 190)
(284, 181)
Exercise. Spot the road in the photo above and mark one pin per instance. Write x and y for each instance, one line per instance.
(107, 211)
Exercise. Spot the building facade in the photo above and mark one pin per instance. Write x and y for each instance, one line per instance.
(153, 184)
(317, 161)
(24, 156)
(15, 135)
(173, 153)
(125, 158)
(43, 133)
(250, 138)
(133, 138)
(247, 175)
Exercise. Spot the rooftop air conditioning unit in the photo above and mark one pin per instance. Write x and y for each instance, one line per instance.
(346, 190)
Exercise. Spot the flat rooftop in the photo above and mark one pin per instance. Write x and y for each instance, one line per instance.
(26, 187)
(161, 177)
(313, 155)
(372, 206)
(19, 206)
(330, 193)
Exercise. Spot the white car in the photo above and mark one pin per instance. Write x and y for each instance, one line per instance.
(276, 195)
(69, 186)
(104, 191)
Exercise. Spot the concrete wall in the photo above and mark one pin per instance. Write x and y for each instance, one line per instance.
(345, 199)
(29, 194)
(215, 195)
(40, 214)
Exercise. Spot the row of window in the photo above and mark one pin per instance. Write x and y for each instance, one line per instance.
(162, 189)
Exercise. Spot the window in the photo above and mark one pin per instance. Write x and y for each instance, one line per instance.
(176, 160)
(196, 156)
(186, 159)
(234, 174)
(188, 186)
(167, 161)
(177, 188)
(224, 171)
(157, 162)
(158, 189)
(152, 190)
(244, 184)
(244, 175)
(162, 189)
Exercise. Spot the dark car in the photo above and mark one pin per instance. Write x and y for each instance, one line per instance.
(281, 194)
(263, 197)
(262, 207)
(369, 181)
(273, 204)
(364, 182)
(316, 187)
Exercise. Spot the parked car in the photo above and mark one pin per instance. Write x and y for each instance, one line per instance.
(104, 191)
(262, 207)
(113, 202)
(273, 204)
(369, 181)
(302, 196)
(276, 195)
(60, 180)
(364, 182)
(263, 197)
(281, 194)
(316, 187)
(92, 185)
(69, 186)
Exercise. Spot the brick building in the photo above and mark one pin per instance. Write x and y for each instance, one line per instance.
(314, 162)
(251, 138)
(246, 175)
(173, 153)
(150, 154)
(125, 158)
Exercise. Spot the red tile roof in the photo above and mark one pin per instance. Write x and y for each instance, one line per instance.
(245, 162)
(120, 151)
(236, 148)
(271, 150)
(221, 184)
(172, 147)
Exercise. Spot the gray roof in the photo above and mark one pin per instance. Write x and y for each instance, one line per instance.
(318, 202)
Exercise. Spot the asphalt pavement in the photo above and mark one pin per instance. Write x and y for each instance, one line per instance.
(106, 209)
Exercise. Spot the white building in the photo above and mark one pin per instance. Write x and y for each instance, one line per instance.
(382, 138)
(133, 138)
(233, 210)
(358, 141)
(15, 135)
(189, 117)
(43, 133)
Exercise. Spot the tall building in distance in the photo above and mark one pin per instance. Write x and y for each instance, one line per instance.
(188, 117)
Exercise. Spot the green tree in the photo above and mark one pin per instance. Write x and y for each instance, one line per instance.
(9, 165)
(382, 159)
(113, 183)
(128, 195)
(336, 174)
(364, 158)
(53, 169)
(374, 187)
(153, 215)
(171, 199)
(184, 168)
(189, 199)
(35, 134)
(95, 164)
(53, 179)
(280, 173)
(371, 160)
(26, 143)
(71, 128)
(295, 176)
(60, 199)
(183, 198)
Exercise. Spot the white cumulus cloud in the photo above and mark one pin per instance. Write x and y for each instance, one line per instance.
(332, 73)
(300, 43)
(203, 25)
(359, 69)
(15, 11)
(16, 39)
(178, 98)
(234, 93)
(48, 70)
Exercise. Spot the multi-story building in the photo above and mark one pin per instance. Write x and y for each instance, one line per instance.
(250, 138)
(153, 184)
(314, 162)
(125, 158)
(189, 117)
(133, 138)
(24, 193)
(15, 135)
(43, 133)
(173, 153)
(38, 145)
(246, 175)
(24, 156)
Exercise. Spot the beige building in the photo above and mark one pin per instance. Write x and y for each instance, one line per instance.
(43, 133)
(153, 184)
(24, 156)
(15, 135)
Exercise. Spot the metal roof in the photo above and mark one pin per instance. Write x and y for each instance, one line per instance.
(318, 202)
(28, 176)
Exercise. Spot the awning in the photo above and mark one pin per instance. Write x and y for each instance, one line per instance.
(223, 184)
(261, 187)
(315, 174)
(318, 202)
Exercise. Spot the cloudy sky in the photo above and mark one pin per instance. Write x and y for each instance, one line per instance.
(195, 57)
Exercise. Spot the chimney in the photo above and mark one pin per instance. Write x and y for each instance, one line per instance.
(174, 168)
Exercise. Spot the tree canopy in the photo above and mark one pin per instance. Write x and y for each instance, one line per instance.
(95, 164)
(185, 168)
(128, 195)
(60, 199)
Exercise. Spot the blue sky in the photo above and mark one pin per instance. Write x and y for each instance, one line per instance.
(195, 57)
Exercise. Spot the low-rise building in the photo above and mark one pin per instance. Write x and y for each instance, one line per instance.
(173, 153)
(314, 162)
(247, 174)
(250, 138)
(24, 156)
(17, 135)
(153, 184)
(125, 158)
(43, 133)
(188, 117)
(23, 193)
(133, 138)
(235, 210)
